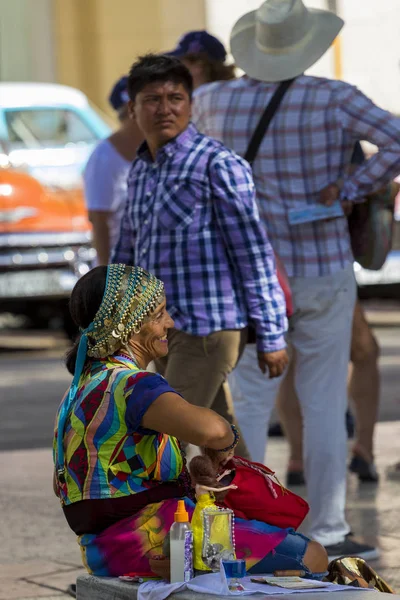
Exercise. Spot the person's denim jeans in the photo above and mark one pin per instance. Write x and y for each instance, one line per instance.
(287, 556)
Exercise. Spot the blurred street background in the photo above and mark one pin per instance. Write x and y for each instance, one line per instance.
(48, 130)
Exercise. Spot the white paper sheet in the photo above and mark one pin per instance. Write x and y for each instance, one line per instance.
(217, 585)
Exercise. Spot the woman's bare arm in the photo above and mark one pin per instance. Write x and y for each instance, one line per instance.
(101, 234)
(173, 415)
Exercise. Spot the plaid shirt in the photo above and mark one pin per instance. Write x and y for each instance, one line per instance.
(308, 145)
(192, 220)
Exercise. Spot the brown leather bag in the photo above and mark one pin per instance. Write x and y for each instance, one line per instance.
(371, 222)
(371, 227)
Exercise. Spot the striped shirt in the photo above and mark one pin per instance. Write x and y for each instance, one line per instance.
(308, 145)
(192, 220)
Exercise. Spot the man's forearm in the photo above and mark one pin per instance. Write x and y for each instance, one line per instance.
(266, 304)
(265, 299)
(363, 120)
(365, 181)
(250, 252)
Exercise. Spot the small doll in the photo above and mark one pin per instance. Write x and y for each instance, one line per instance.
(207, 489)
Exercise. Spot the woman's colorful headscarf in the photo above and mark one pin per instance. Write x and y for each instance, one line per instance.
(131, 294)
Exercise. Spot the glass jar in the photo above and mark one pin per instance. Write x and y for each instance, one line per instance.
(218, 538)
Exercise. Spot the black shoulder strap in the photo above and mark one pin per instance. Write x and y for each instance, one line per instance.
(266, 119)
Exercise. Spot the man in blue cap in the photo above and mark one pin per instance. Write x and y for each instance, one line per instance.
(200, 41)
(106, 173)
(204, 55)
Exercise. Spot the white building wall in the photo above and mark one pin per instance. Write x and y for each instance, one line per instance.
(371, 49)
(26, 42)
(370, 43)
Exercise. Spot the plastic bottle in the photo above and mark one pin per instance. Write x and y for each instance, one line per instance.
(181, 546)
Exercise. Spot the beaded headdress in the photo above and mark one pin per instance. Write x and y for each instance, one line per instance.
(131, 294)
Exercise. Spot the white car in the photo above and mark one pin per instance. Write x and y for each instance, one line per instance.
(47, 132)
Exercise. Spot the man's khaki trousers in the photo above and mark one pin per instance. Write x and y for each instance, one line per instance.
(197, 367)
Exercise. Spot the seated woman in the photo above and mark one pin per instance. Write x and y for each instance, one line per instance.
(119, 467)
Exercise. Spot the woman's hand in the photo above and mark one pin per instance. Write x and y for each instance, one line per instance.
(101, 234)
(219, 459)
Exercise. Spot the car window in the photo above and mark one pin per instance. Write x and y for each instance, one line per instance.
(46, 127)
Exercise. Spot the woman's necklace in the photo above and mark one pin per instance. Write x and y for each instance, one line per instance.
(127, 353)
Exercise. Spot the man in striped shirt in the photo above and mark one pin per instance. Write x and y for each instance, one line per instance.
(307, 147)
(191, 219)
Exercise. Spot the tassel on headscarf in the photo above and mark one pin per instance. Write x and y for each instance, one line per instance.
(67, 404)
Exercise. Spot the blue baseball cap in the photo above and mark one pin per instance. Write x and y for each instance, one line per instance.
(119, 94)
(194, 42)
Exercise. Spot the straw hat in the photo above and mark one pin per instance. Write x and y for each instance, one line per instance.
(282, 39)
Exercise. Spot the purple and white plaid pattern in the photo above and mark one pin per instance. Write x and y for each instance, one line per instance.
(191, 219)
(308, 146)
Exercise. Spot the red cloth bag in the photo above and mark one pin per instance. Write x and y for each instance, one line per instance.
(260, 496)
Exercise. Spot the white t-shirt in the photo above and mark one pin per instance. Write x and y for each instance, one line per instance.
(106, 184)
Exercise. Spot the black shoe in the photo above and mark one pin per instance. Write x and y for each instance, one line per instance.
(349, 547)
(393, 472)
(71, 590)
(365, 470)
(275, 430)
(295, 478)
(350, 426)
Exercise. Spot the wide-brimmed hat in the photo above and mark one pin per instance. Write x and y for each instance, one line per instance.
(282, 39)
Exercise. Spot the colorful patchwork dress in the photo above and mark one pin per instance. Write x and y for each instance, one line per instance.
(108, 454)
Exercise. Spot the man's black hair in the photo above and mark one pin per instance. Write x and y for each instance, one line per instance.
(158, 67)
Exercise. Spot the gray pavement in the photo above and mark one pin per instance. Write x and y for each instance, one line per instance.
(39, 555)
(32, 383)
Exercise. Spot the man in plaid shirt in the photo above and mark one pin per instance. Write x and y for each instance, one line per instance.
(306, 149)
(192, 220)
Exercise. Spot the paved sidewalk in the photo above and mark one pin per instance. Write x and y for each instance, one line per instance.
(39, 555)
